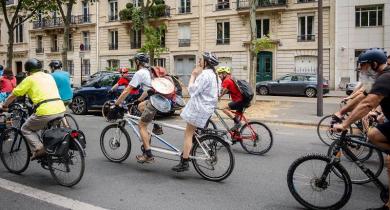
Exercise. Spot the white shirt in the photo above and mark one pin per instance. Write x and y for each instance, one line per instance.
(143, 78)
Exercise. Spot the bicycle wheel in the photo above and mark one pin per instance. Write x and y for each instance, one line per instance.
(257, 138)
(17, 117)
(15, 152)
(371, 158)
(71, 122)
(221, 162)
(67, 170)
(313, 192)
(115, 139)
(210, 124)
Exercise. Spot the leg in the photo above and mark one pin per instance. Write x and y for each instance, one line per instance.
(146, 117)
(188, 134)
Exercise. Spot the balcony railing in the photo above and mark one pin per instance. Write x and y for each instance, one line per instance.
(58, 22)
(8, 2)
(184, 10)
(112, 18)
(85, 47)
(54, 49)
(161, 13)
(223, 41)
(222, 5)
(112, 46)
(305, 1)
(184, 42)
(39, 50)
(135, 45)
(306, 38)
(244, 4)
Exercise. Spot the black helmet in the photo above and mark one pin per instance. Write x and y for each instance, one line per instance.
(142, 58)
(373, 55)
(33, 65)
(56, 64)
(210, 58)
(1, 67)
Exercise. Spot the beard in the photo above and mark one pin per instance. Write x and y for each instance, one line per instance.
(367, 81)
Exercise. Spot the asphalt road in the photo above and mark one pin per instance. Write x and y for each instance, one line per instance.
(257, 182)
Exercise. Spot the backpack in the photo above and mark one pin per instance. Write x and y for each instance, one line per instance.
(245, 90)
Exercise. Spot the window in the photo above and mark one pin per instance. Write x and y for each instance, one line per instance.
(86, 43)
(262, 26)
(305, 28)
(222, 5)
(54, 43)
(162, 38)
(113, 16)
(108, 80)
(86, 67)
(135, 39)
(85, 12)
(19, 30)
(305, 64)
(369, 16)
(223, 32)
(70, 42)
(305, 1)
(160, 62)
(113, 40)
(131, 62)
(39, 44)
(138, 3)
(185, 6)
(184, 35)
(286, 78)
(113, 63)
(70, 67)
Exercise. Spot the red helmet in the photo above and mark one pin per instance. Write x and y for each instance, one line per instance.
(123, 70)
(160, 71)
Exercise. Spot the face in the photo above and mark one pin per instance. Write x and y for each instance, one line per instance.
(201, 63)
(388, 61)
(222, 76)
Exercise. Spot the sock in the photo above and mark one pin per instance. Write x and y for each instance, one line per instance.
(236, 120)
(148, 153)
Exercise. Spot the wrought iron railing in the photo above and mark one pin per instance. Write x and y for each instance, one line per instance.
(306, 38)
(244, 4)
(184, 42)
(222, 5)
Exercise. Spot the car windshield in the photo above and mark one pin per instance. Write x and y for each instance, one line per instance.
(91, 82)
(108, 80)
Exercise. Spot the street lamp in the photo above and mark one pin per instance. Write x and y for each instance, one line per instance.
(81, 53)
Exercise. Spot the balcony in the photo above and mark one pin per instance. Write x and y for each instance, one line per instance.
(85, 47)
(54, 49)
(222, 6)
(57, 22)
(306, 38)
(223, 41)
(112, 18)
(306, 1)
(184, 42)
(159, 13)
(39, 50)
(135, 45)
(261, 5)
(112, 46)
(184, 10)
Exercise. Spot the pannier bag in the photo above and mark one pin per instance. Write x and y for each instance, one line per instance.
(56, 140)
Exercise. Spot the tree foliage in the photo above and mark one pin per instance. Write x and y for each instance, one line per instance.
(153, 36)
(264, 43)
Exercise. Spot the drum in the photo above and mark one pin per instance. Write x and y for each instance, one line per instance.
(179, 101)
(161, 103)
(163, 85)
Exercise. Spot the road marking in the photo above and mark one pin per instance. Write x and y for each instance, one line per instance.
(47, 197)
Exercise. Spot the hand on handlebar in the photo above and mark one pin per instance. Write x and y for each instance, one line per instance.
(338, 128)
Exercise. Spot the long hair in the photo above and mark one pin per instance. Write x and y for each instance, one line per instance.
(8, 73)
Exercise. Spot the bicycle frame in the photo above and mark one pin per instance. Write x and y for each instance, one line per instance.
(172, 150)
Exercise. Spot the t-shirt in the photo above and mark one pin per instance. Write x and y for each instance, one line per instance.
(382, 87)
(39, 87)
(7, 85)
(62, 79)
(142, 78)
(229, 84)
(123, 81)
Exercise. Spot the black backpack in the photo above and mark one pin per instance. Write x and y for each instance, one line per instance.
(245, 90)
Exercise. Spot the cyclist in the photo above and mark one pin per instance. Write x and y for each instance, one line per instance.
(374, 61)
(124, 80)
(46, 99)
(7, 84)
(203, 89)
(388, 60)
(229, 86)
(143, 79)
(62, 79)
(1, 70)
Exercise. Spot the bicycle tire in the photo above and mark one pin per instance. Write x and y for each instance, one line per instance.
(103, 147)
(259, 137)
(329, 135)
(314, 182)
(213, 141)
(347, 162)
(17, 140)
(70, 118)
(52, 168)
(210, 124)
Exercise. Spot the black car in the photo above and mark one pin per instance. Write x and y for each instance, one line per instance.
(292, 84)
(96, 75)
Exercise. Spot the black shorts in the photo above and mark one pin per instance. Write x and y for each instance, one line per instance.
(384, 128)
(238, 105)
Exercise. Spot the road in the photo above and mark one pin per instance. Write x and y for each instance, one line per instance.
(257, 182)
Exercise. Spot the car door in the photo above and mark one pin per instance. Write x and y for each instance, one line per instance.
(105, 84)
(298, 85)
(281, 86)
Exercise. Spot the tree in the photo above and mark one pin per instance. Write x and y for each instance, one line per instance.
(16, 15)
(252, 57)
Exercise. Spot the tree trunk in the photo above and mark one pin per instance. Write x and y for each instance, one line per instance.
(65, 46)
(10, 48)
(252, 54)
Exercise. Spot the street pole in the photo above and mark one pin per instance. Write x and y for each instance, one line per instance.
(252, 55)
(320, 102)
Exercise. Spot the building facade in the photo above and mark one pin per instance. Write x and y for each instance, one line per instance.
(100, 40)
(360, 25)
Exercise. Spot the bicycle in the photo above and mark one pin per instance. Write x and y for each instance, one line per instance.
(62, 158)
(208, 152)
(251, 134)
(336, 192)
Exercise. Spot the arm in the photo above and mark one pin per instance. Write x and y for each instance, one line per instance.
(123, 95)
(224, 91)
(356, 93)
(9, 100)
(114, 87)
(350, 106)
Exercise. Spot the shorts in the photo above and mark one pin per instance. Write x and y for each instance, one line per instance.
(384, 128)
(148, 115)
(238, 105)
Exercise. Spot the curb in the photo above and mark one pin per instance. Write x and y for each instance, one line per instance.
(288, 122)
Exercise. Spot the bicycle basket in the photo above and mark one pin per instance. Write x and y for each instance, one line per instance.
(113, 112)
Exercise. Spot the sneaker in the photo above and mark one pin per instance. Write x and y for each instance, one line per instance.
(182, 166)
(236, 126)
(38, 154)
(157, 129)
(144, 159)
(384, 207)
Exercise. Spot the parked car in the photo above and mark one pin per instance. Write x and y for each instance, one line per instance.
(350, 87)
(95, 75)
(292, 84)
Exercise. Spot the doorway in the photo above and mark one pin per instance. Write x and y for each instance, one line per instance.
(184, 64)
(264, 66)
(19, 66)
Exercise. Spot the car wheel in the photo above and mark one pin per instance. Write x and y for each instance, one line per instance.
(79, 105)
(263, 90)
(310, 92)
